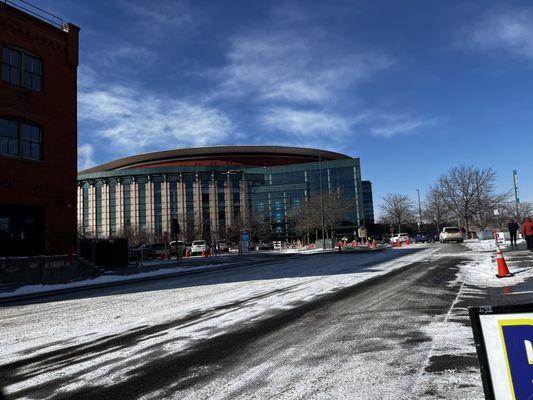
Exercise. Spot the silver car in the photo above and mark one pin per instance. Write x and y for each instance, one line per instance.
(451, 234)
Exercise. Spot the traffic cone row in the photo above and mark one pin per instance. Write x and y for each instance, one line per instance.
(503, 270)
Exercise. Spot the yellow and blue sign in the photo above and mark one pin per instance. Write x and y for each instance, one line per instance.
(504, 343)
(517, 339)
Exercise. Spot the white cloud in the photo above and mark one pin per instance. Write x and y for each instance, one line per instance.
(323, 124)
(133, 120)
(388, 125)
(85, 156)
(305, 122)
(290, 66)
(509, 30)
(174, 13)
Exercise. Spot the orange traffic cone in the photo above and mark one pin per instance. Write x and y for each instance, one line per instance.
(187, 253)
(374, 244)
(399, 243)
(407, 242)
(339, 245)
(503, 271)
(204, 254)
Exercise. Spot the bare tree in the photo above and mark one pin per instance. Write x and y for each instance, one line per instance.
(471, 195)
(397, 209)
(517, 212)
(436, 209)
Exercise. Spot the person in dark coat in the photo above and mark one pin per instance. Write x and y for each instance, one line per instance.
(513, 228)
(527, 231)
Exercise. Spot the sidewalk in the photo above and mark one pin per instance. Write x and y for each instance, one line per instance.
(452, 370)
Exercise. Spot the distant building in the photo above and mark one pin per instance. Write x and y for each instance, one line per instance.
(212, 190)
(38, 131)
(368, 202)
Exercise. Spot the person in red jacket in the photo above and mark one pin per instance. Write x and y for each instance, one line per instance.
(527, 231)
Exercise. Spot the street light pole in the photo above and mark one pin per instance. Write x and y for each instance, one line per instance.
(321, 200)
(419, 210)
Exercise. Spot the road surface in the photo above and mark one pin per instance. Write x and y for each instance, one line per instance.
(338, 326)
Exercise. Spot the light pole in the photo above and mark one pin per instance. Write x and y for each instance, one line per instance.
(321, 200)
(419, 210)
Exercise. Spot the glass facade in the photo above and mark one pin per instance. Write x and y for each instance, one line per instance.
(214, 202)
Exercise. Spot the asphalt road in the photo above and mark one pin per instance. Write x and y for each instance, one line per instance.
(358, 341)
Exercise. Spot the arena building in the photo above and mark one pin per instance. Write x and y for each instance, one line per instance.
(211, 192)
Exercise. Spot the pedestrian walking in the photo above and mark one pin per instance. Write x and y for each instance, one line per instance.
(527, 231)
(513, 228)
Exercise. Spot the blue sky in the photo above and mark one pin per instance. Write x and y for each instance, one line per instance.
(412, 88)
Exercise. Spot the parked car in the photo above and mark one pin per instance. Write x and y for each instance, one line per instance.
(222, 246)
(177, 247)
(401, 237)
(422, 237)
(265, 245)
(199, 246)
(148, 250)
(451, 234)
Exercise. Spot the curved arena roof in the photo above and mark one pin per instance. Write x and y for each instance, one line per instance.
(253, 156)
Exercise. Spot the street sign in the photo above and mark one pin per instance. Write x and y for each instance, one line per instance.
(504, 344)
(515, 181)
(245, 241)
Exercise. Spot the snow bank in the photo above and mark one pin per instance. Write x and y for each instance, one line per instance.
(103, 279)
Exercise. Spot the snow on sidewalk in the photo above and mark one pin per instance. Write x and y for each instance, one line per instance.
(103, 279)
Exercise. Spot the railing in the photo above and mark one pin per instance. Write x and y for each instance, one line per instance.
(38, 13)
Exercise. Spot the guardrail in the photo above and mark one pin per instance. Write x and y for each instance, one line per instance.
(38, 12)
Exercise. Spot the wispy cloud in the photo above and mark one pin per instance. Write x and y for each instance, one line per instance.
(289, 66)
(133, 56)
(301, 122)
(134, 120)
(504, 29)
(85, 156)
(389, 125)
(163, 13)
(336, 127)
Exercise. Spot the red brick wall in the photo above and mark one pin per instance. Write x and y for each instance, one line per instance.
(51, 182)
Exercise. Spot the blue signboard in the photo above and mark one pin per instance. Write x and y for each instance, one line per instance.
(517, 335)
(504, 343)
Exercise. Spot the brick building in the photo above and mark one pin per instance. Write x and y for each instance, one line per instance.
(38, 131)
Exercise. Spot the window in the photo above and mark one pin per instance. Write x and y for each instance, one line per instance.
(20, 139)
(9, 137)
(31, 141)
(21, 69)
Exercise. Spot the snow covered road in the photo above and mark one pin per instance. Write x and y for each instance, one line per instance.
(304, 327)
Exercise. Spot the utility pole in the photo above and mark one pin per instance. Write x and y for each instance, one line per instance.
(419, 210)
(321, 200)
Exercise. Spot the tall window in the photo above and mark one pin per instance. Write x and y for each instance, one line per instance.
(20, 139)
(9, 137)
(22, 69)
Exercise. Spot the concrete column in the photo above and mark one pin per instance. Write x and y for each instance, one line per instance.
(134, 195)
(182, 203)
(150, 223)
(213, 204)
(92, 209)
(105, 210)
(79, 208)
(165, 205)
(197, 204)
(120, 206)
(228, 198)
